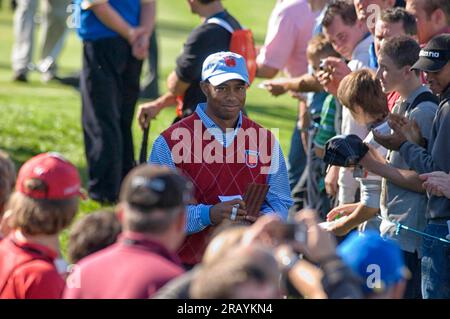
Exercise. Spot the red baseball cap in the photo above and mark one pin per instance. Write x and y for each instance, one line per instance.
(58, 174)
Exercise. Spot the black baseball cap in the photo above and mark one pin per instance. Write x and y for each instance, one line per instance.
(149, 187)
(345, 150)
(435, 55)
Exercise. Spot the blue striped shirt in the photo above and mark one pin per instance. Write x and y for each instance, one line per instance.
(278, 199)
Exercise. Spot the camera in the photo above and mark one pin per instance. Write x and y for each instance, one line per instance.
(291, 232)
(322, 65)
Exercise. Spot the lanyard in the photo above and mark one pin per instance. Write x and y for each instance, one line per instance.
(421, 233)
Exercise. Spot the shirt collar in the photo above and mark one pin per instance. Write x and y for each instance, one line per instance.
(34, 248)
(321, 15)
(416, 93)
(129, 238)
(363, 46)
(220, 14)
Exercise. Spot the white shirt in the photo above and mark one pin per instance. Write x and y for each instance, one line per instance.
(348, 185)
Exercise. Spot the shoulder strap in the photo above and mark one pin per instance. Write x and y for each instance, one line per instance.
(222, 23)
(423, 97)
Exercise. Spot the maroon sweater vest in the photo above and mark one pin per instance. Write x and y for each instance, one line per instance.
(216, 170)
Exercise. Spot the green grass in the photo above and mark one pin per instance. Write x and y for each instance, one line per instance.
(38, 117)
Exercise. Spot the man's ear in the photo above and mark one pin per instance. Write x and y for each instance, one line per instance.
(407, 71)
(120, 213)
(361, 25)
(439, 17)
(204, 86)
(181, 220)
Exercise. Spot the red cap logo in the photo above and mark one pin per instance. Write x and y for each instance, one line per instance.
(230, 61)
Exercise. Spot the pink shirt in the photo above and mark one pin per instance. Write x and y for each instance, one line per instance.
(132, 268)
(289, 30)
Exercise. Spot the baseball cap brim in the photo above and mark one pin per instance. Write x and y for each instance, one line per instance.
(221, 78)
(428, 65)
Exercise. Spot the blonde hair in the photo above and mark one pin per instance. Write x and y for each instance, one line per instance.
(320, 46)
(41, 216)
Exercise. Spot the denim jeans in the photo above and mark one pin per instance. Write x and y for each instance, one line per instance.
(436, 264)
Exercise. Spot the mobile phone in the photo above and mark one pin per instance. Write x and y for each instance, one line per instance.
(383, 129)
(322, 65)
(291, 232)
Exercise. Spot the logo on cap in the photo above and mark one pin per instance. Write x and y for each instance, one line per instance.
(429, 54)
(230, 61)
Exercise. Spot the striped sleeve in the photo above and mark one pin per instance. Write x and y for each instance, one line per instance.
(278, 199)
(160, 153)
(327, 117)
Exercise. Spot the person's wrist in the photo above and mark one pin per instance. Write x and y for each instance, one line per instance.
(130, 34)
(288, 261)
(206, 214)
(291, 86)
(327, 258)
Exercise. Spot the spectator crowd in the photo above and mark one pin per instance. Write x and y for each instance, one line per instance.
(359, 207)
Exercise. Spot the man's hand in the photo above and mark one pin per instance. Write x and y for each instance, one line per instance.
(392, 141)
(339, 69)
(409, 128)
(224, 210)
(329, 84)
(277, 87)
(343, 210)
(136, 33)
(141, 46)
(261, 231)
(334, 70)
(319, 244)
(147, 112)
(437, 183)
(331, 181)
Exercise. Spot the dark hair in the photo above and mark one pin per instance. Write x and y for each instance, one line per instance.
(432, 5)
(396, 15)
(155, 222)
(206, 1)
(402, 50)
(361, 88)
(342, 8)
(92, 233)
